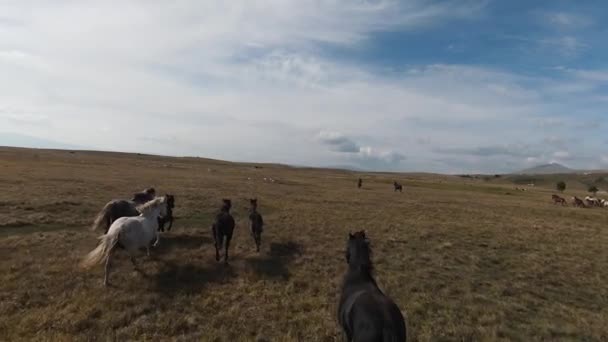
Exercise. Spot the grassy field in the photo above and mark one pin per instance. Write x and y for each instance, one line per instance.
(465, 259)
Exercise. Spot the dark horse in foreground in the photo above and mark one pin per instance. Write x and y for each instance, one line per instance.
(222, 228)
(257, 223)
(365, 312)
(398, 187)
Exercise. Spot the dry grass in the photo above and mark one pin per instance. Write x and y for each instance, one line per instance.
(464, 259)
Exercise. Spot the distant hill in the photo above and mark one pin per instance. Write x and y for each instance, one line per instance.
(546, 169)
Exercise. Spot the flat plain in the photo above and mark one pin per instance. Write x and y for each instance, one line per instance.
(465, 259)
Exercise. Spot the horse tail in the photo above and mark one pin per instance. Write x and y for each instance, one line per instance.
(103, 218)
(102, 251)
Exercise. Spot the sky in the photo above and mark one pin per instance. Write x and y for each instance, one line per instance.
(465, 86)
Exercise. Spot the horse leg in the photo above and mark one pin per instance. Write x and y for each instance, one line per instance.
(228, 238)
(259, 241)
(218, 245)
(133, 261)
(157, 242)
(170, 224)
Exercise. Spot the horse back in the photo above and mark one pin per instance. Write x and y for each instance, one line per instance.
(369, 315)
(256, 219)
(224, 222)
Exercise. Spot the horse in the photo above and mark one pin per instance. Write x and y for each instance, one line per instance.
(222, 228)
(257, 223)
(365, 313)
(116, 209)
(162, 220)
(130, 233)
(359, 183)
(559, 200)
(144, 196)
(398, 187)
(592, 201)
(577, 202)
(112, 211)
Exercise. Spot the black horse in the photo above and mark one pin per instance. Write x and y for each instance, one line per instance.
(398, 187)
(365, 312)
(257, 223)
(359, 183)
(162, 220)
(223, 227)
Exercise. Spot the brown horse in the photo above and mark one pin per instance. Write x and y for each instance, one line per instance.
(223, 228)
(144, 196)
(577, 202)
(257, 223)
(559, 200)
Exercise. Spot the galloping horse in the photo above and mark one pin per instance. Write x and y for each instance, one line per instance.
(162, 220)
(398, 187)
(577, 202)
(130, 233)
(593, 202)
(365, 312)
(112, 211)
(222, 228)
(559, 200)
(257, 223)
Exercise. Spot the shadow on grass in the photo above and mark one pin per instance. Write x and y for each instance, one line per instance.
(275, 265)
(182, 241)
(178, 278)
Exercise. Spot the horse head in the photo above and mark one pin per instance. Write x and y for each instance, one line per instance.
(358, 251)
(226, 204)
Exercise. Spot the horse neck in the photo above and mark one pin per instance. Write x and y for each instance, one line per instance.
(152, 214)
(358, 276)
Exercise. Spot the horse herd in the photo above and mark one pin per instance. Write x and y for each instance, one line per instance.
(588, 202)
(365, 313)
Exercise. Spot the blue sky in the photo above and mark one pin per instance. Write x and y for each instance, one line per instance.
(440, 86)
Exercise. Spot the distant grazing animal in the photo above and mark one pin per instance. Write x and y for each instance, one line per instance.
(257, 223)
(162, 220)
(398, 187)
(359, 183)
(365, 313)
(592, 201)
(577, 202)
(144, 196)
(130, 233)
(222, 228)
(559, 200)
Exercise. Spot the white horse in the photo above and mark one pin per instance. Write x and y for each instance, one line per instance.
(132, 233)
(592, 201)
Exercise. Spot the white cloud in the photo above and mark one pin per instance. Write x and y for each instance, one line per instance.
(565, 20)
(561, 154)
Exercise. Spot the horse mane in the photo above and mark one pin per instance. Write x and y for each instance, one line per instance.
(150, 205)
(362, 242)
